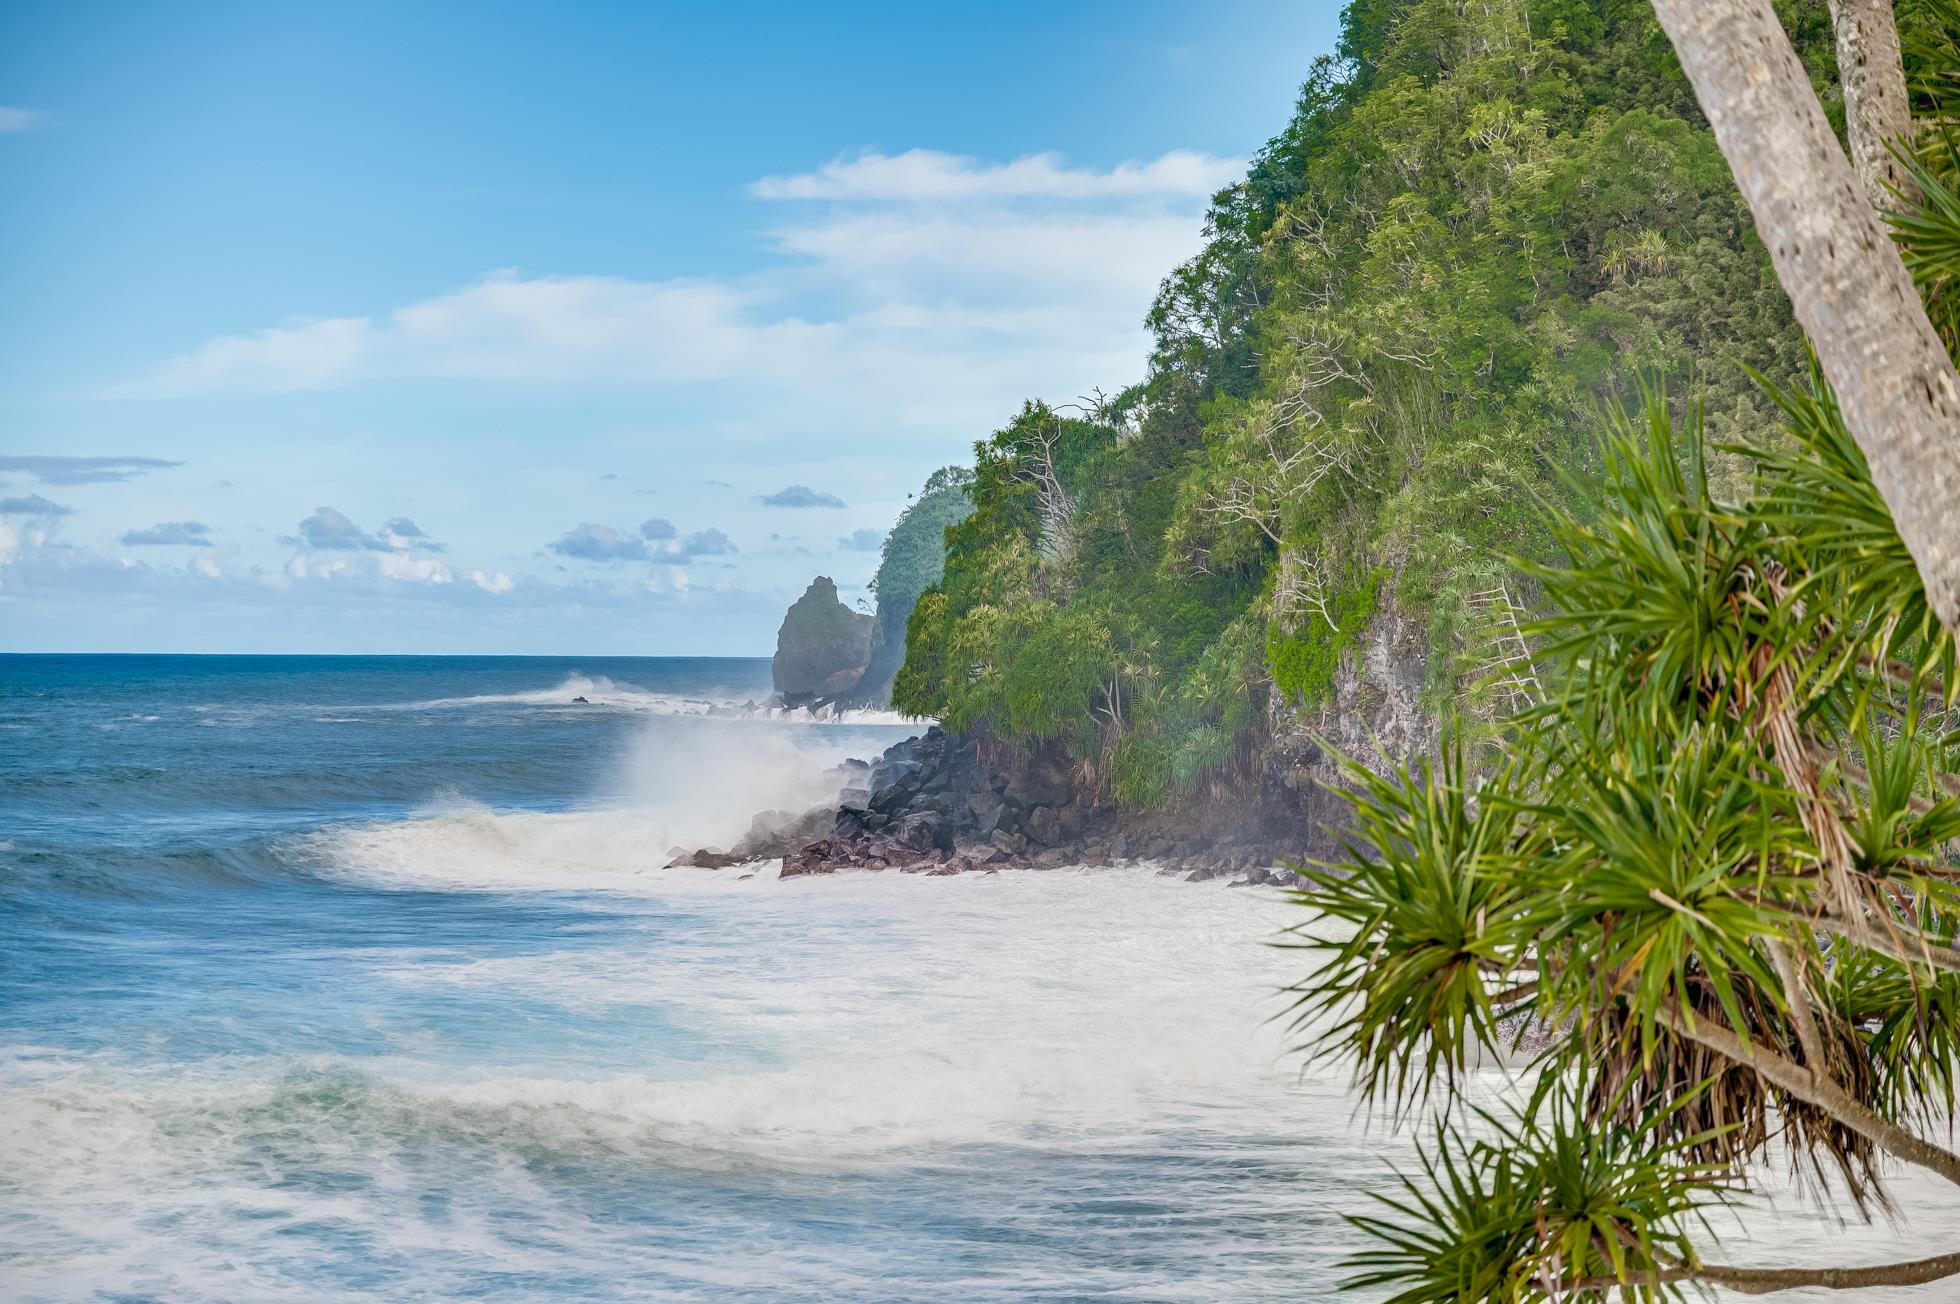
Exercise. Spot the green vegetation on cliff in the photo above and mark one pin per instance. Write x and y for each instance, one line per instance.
(912, 560)
(1481, 223)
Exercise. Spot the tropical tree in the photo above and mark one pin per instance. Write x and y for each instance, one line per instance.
(1716, 877)
(1851, 293)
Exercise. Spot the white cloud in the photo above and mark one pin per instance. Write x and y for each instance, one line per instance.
(550, 328)
(60, 593)
(194, 534)
(591, 542)
(14, 121)
(938, 295)
(411, 569)
(932, 176)
(867, 539)
(330, 530)
(800, 495)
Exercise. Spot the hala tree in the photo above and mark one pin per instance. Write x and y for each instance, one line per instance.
(1717, 873)
(1851, 293)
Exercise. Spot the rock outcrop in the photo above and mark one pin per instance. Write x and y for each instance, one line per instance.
(938, 804)
(1375, 716)
(943, 803)
(822, 648)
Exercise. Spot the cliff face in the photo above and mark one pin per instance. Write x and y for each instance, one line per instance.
(874, 688)
(822, 648)
(949, 802)
(1375, 716)
(945, 803)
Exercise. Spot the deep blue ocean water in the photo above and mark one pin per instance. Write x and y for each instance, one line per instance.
(360, 978)
(327, 978)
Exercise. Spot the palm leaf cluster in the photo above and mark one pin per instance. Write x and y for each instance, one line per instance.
(1713, 881)
(1722, 841)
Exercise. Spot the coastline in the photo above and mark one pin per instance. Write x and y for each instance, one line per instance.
(938, 804)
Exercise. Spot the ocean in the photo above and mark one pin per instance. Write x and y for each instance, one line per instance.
(361, 978)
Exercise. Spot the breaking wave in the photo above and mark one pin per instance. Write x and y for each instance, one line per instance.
(600, 691)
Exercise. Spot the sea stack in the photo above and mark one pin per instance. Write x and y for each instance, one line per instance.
(822, 647)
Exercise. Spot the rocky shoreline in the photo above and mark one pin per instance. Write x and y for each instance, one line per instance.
(934, 804)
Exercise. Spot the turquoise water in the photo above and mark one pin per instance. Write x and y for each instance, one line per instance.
(359, 978)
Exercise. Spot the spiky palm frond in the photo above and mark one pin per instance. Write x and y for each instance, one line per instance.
(1926, 228)
(1405, 998)
(1641, 616)
(1727, 809)
(1856, 586)
(1911, 1023)
(1539, 1202)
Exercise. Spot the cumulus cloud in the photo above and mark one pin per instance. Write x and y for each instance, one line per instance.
(81, 470)
(800, 495)
(194, 534)
(15, 121)
(949, 290)
(352, 599)
(33, 505)
(705, 543)
(329, 530)
(402, 533)
(373, 569)
(549, 328)
(591, 542)
(657, 541)
(929, 174)
(865, 540)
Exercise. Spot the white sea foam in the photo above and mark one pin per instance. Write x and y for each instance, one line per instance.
(839, 1032)
(659, 794)
(699, 1085)
(1026, 1046)
(601, 691)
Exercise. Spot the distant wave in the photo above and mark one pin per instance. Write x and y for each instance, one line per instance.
(600, 691)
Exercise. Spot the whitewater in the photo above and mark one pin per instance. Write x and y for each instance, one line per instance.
(361, 978)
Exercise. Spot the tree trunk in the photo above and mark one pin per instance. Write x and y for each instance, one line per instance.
(1813, 1089)
(1852, 294)
(1876, 111)
(1764, 1281)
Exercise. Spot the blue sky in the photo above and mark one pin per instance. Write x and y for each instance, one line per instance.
(587, 328)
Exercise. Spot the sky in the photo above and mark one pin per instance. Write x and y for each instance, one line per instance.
(567, 329)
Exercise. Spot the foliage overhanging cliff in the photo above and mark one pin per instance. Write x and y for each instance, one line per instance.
(1481, 223)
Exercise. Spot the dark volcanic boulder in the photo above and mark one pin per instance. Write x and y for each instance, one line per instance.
(1040, 781)
(924, 830)
(822, 647)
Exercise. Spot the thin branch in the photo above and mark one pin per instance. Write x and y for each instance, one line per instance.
(1859, 775)
(1511, 996)
(1928, 951)
(1904, 676)
(1764, 1281)
(1813, 1089)
(1797, 996)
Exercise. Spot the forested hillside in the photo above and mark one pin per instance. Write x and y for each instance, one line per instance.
(1483, 223)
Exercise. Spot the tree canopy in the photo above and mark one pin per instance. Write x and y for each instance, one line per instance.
(1480, 225)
